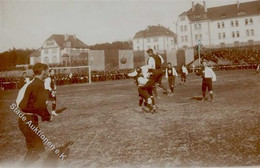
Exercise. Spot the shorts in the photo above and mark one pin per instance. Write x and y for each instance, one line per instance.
(206, 84)
(157, 75)
(171, 81)
(52, 95)
(146, 94)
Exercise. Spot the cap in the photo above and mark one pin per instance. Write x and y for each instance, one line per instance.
(149, 50)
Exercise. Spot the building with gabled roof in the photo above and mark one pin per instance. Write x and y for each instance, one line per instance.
(155, 37)
(60, 49)
(223, 26)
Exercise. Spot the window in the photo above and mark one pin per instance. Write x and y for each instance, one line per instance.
(223, 15)
(219, 36)
(137, 41)
(233, 34)
(196, 37)
(138, 48)
(232, 23)
(49, 43)
(185, 28)
(251, 20)
(224, 35)
(246, 21)
(172, 41)
(54, 59)
(186, 38)
(181, 28)
(199, 26)
(155, 39)
(218, 25)
(158, 47)
(241, 13)
(196, 16)
(148, 47)
(148, 40)
(200, 36)
(237, 23)
(247, 32)
(154, 47)
(46, 60)
(252, 32)
(195, 27)
(68, 44)
(223, 25)
(183, 18)
(238, 34)
(45, 51)
(182, 39)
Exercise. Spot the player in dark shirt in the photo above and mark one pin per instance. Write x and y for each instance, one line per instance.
(32, 102)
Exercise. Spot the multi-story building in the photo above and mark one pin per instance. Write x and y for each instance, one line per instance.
(155, 37)
(61, 49)
(223, 26)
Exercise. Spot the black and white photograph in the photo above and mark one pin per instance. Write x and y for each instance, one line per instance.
(129, 83)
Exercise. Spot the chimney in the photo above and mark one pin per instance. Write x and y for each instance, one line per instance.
(66, 36)
(192, 6)
(205, 7)
(237, 4)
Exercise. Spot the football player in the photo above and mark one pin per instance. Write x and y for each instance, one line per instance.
(50, 85)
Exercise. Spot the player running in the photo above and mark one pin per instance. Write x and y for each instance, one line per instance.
(208, 76)
(171, 74)
(50, 85)
(184, 73)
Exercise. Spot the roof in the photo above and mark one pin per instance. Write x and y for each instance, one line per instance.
(36, 53)
(152, 31)
(223, 12)
(60, 40)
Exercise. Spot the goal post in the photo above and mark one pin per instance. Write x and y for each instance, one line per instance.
(83, 71)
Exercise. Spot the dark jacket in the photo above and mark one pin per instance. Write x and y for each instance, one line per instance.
(34, 100)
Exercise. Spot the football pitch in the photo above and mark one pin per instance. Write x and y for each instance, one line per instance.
(108, 132)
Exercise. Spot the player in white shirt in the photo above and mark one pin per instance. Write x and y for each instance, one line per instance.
(24, 79)
(208, 76)
(50, 85)
(171, 74)
(184, 73)
(145, 88)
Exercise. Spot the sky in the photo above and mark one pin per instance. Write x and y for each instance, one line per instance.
(28, 23)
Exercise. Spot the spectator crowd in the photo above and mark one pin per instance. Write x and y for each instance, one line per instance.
(237, 58)
(12, 82)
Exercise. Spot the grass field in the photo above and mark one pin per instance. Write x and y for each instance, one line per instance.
(109, 133)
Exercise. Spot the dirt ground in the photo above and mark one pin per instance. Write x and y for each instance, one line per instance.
(108, 132)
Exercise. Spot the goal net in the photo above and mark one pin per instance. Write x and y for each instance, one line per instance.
(79, 74)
